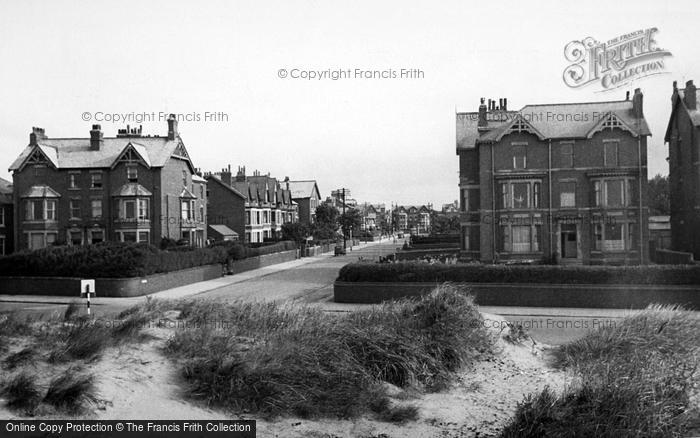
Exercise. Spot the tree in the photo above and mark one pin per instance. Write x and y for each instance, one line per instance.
(295, 231)
(659, 196)
(350, 220)
(326, 223)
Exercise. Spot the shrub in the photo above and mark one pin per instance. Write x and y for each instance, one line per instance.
(106, 260)
(281, 360)
(438, 273)
(21, 391)
(635, 377)
(71, 391)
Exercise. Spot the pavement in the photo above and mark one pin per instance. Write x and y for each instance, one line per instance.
(310, 281)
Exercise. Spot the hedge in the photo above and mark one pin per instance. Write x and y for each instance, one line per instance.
(423, 272)
(435, 239)
(122, 260)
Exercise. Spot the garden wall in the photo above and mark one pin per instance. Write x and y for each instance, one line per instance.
(530, 295)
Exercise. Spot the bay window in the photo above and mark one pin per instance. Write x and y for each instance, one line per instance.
(40, 210)
(520, 194)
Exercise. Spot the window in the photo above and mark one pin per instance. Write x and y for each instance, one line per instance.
(75, 209)
(201, 191)
(567, 154)
(96, 236)
(612, 237)
(536, 194)
(132, 173)
(40, 239)
(2, 245)
(134, 236)
(597, 193)
(465, 200)
(521, 238)
(186, 213)
(247, 218)
(504, 196)
(143, 209)
(519, 157)
(2, 216)
(614, 193)
(567, 195)
(40, 210)
(611, 154)
(130, 209)
(521, 195)
(96, 180)
(257, 217)
(75, 238)
(184, 178)
(129, 236)
(96, 208)
(144, 236)
(73, 181)
(201, 214)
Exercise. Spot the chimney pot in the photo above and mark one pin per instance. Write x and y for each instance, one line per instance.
(690, 95)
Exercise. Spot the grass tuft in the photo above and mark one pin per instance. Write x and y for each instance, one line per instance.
(19, 358)
(636, 378)
(21, 392)
(282, 360)
(71, 391)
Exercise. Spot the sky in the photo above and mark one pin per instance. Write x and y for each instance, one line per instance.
(66, 64)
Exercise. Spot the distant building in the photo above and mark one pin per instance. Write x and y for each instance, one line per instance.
(660, 231)
(375, 217)
(683, 138)
(307, 196)
(414, 219)
(450, 210)
(128, 188)
(254, 206)
(6, 218)
(564, 182)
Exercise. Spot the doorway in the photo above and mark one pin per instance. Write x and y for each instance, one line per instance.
(569, 248)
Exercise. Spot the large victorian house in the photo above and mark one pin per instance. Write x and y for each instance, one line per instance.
(556, 182)
(683, 138)
(128, 188)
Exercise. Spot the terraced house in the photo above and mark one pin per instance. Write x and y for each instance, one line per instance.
(556, 182)
(414, 219)
(254, 206)
(128, 188)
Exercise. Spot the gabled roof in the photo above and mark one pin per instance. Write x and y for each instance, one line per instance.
(131, 189)
(131, 149)
(187, 194)
(678, 101)
(75, 153)
(5, 187)
(303, 189)
(217, 180)
(40, 192)
(549, 121)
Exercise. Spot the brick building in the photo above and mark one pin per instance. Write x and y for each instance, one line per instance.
(683, 138)
(307, 196)
(562, 182)
(414, 219)
(130, 188)
(254, 206)
(6, 218)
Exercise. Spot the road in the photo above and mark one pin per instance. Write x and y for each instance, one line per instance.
(310, 281)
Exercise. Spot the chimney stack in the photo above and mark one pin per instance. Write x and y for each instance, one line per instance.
(690, 95)
(240, 176)
(96, 140)
(638, 103)
(483, 122)
(36, 136)
(505, 104)
(226, 176)
(172, 127)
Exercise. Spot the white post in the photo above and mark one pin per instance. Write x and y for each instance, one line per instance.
(87, 295)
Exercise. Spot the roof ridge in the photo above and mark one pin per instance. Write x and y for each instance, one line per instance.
(576, 103)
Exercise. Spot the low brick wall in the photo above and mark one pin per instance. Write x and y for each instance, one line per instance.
(108, 287)
(261, 261)
(531, 295)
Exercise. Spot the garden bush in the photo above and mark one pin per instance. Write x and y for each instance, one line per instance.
(439, 273)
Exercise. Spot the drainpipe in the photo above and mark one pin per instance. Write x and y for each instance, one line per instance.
(493, 207)
(549, 200)
(639, 180)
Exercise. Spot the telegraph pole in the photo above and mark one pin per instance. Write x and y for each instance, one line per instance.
(345, 243)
